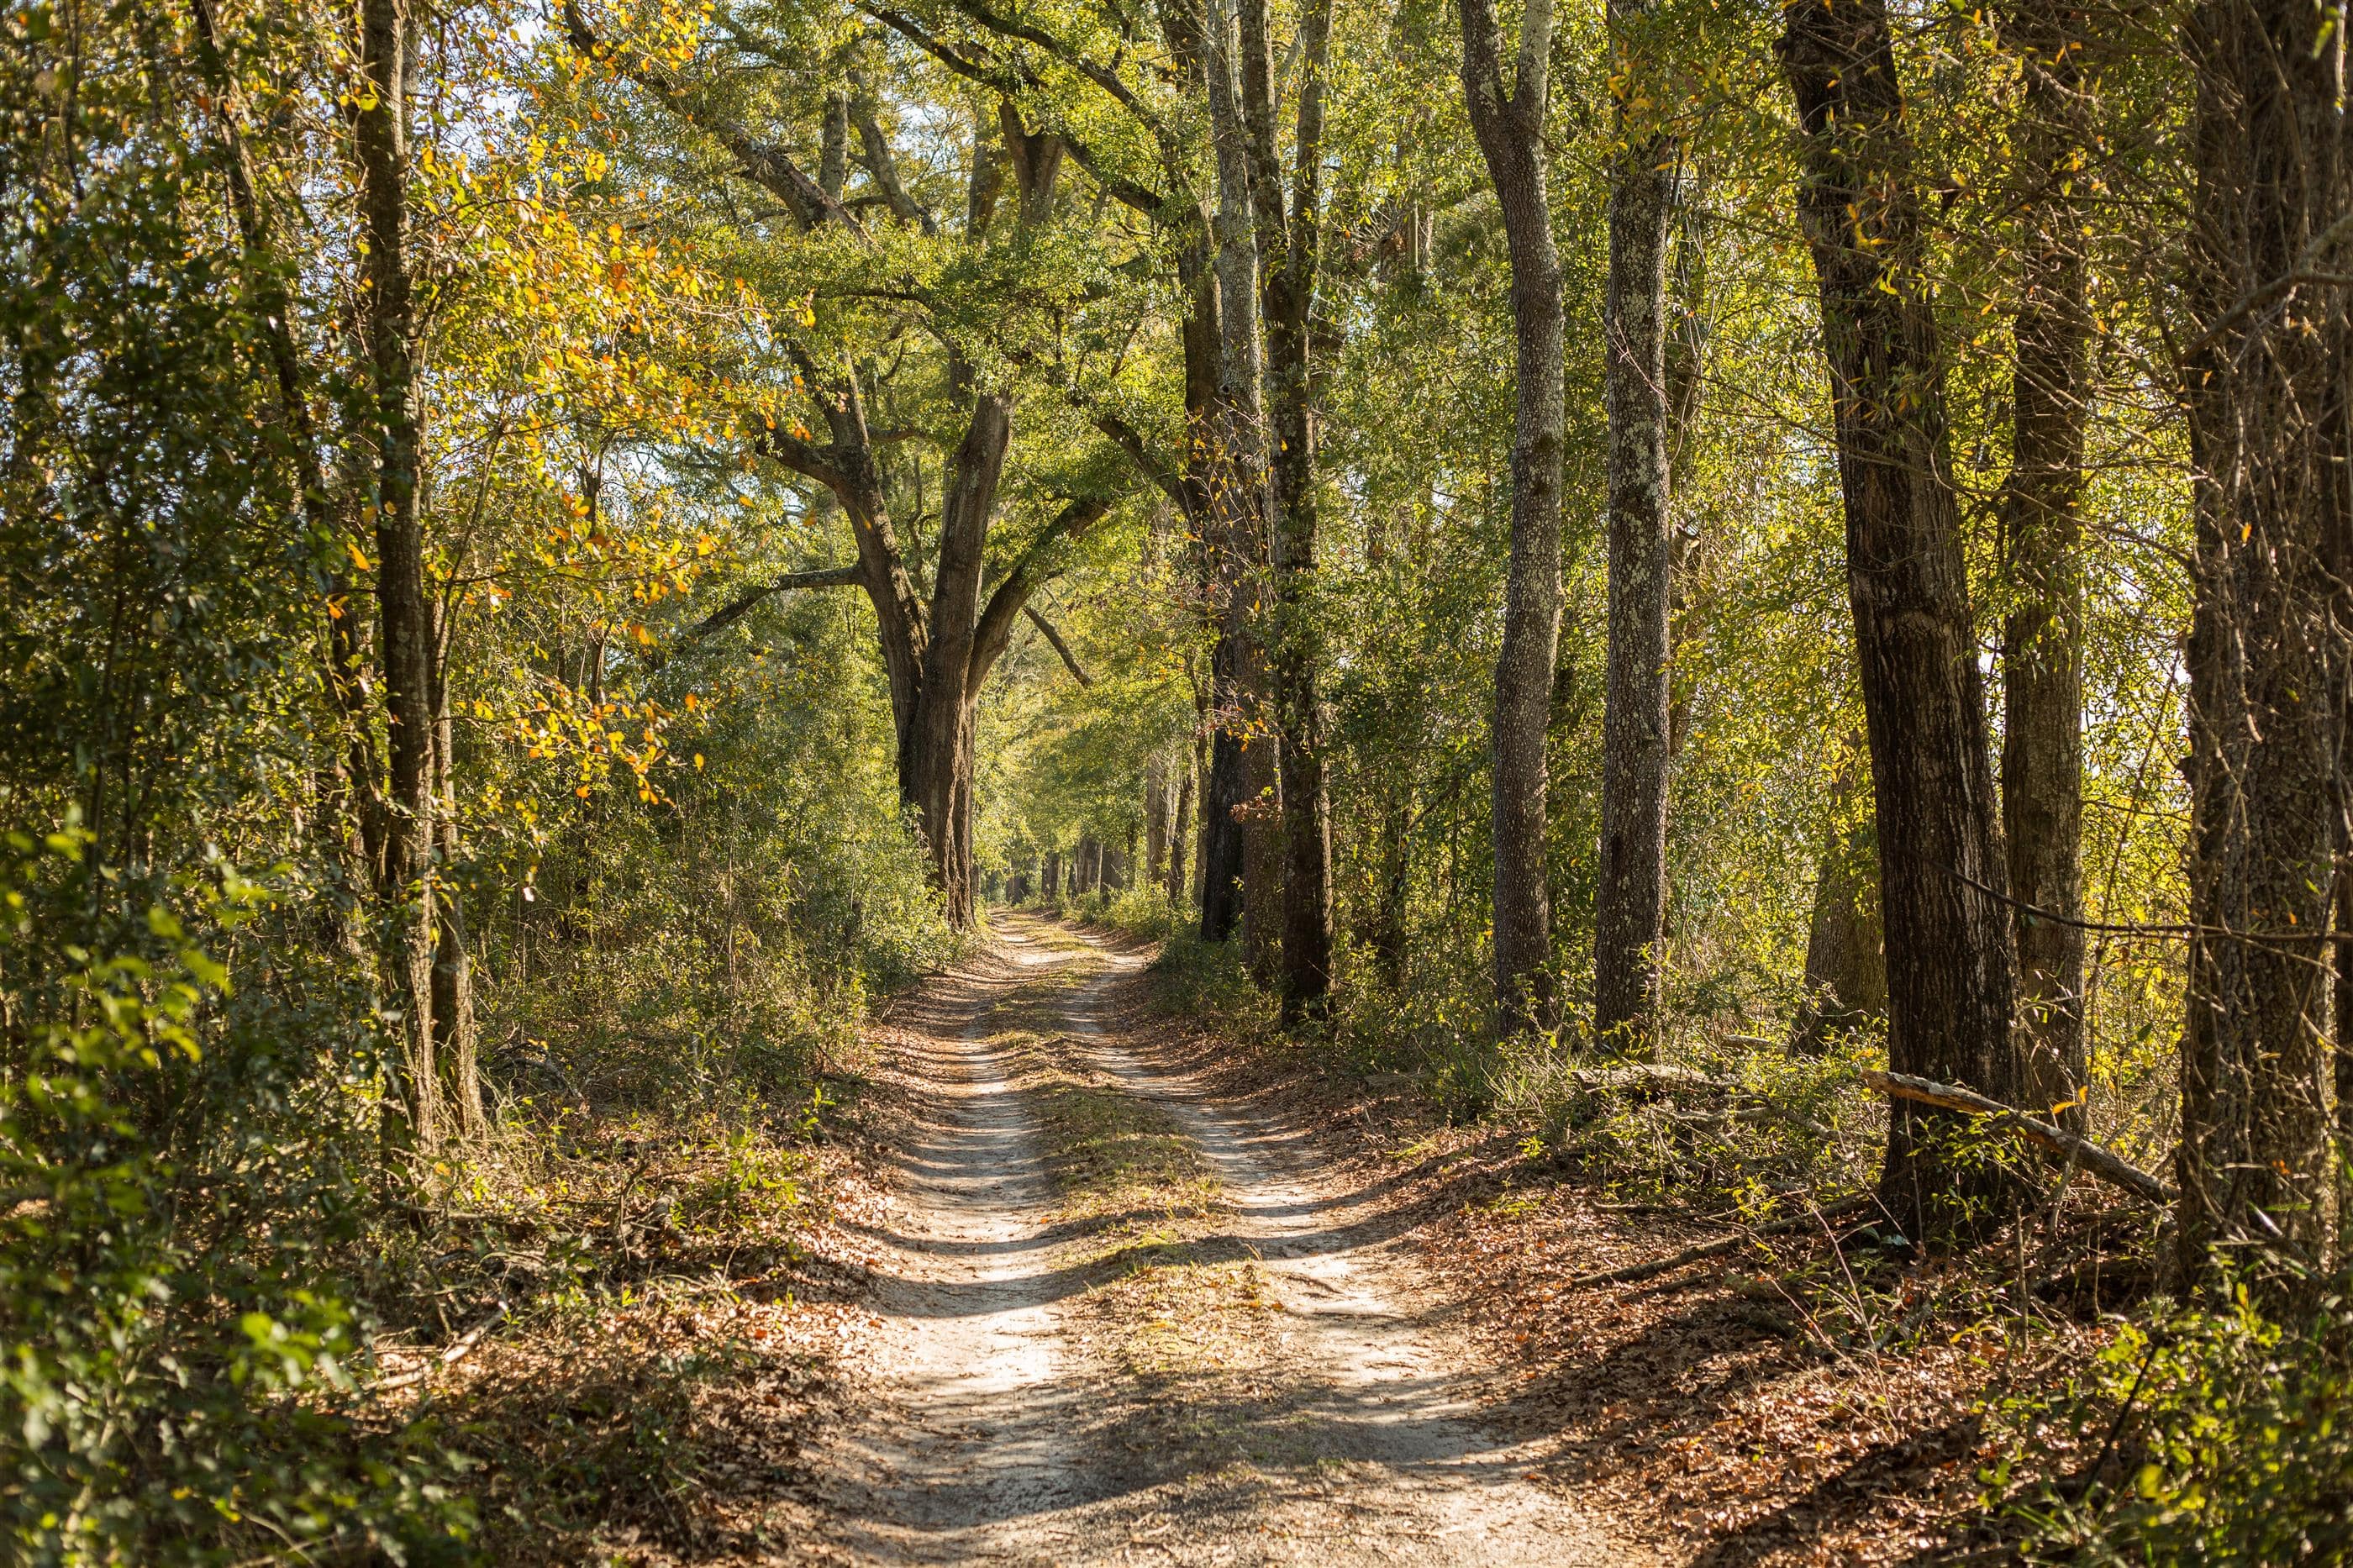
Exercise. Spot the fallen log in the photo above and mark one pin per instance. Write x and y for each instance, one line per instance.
(2103, 1163)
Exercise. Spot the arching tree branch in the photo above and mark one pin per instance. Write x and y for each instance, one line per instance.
(1069, 659)
(737, 608)
(994, 629)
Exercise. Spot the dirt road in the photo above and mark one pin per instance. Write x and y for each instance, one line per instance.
(1126, 1324)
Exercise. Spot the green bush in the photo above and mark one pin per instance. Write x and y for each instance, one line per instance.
(180, 1177)
(2232, 1443)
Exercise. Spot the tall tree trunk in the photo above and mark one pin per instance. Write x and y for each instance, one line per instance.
(380, 144)
(1156, 817)
(1941, 876)
(1238, 503)
(1180, 837)
(1287, 267)
(2042, 667)
(2265, 387)
(1510, 127)
(1630, 905)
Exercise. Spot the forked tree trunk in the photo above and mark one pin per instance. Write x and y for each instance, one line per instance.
(938, 655)
(2265, 386)
(1630, 904)
(1510, 125)
(2042, 667)
(1941, 876)
(380, 145)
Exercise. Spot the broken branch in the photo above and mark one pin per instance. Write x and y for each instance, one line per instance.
(2105, 1163)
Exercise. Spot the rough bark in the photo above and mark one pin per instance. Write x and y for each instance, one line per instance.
(1288, 250)
(1238, 503)
(380, 147)
(2265, 383)
(1941, 876)
(2342, 1067)
(1178, 836)
(2043, 671)
(1510, 125)
(1630, 904)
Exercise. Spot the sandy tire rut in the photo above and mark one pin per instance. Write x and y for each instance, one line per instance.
(999, 1438)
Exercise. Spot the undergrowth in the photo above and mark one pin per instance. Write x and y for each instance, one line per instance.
(2200, 1435)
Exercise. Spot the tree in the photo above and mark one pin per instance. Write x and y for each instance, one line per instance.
(388, 325)
(1941, 878)
(2264, 383)
(2042, 672)
(1238, 503)
(1510, 126)
(937, 653)
(1630, 908)
(1287, 251)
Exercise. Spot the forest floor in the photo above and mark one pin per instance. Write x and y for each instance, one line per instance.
(1089, 1283)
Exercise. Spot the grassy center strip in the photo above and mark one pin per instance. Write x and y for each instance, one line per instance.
(1174, 1298)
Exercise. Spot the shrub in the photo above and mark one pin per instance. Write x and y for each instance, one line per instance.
(2222, 1437)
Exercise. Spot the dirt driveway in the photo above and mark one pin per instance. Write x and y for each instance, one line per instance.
(1124, 1324)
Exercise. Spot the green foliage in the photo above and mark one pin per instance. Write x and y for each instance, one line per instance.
(2229, 1439)
(730, 935)
(178, 1175)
